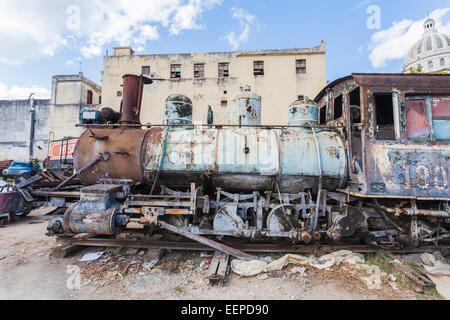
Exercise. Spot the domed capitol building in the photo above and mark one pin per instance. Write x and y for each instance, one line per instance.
(431, 54)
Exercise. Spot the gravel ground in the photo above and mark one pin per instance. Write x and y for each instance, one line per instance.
(27, 271)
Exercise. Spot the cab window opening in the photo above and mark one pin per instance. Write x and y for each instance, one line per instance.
(338, 103)
(384, 116)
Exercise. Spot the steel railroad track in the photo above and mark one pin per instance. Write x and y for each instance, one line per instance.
(245, 247)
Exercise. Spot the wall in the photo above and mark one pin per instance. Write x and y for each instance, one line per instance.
(436, 59)
(15, 124)
(54, 119)
(279, 86)
(69, 96)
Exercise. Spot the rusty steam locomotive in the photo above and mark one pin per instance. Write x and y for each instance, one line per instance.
(365, 162)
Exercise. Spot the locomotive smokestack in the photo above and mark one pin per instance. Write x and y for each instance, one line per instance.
(133, 88)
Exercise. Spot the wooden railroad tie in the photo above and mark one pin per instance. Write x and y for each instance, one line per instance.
(218, 268)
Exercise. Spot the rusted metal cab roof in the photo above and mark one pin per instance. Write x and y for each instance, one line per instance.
(436, 83)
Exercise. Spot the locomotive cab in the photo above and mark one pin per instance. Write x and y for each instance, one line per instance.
(398, 142)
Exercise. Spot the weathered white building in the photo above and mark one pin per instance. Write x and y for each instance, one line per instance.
(27, 126)
(24, 126)
(215, 79)
(431, 53)
(70, 94)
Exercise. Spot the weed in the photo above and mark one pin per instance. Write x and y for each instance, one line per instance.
(119, 252)
(179, 289)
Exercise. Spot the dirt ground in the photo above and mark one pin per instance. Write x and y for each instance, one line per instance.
(27, 271)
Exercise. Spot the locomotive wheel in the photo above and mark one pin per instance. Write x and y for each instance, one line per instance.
(281, 219)
(227, 219)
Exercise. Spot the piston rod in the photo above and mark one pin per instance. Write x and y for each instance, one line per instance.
(102, 157)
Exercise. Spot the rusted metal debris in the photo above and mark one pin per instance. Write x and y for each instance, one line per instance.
(421, 281)
(104, 156)
(218, 246)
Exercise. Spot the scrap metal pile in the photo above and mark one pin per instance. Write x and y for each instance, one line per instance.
(365, 163)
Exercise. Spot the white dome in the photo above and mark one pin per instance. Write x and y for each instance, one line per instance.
(431, 53)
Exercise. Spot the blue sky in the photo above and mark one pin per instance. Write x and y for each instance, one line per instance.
(41, 38)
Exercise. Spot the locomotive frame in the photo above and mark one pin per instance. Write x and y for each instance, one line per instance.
(385, 201)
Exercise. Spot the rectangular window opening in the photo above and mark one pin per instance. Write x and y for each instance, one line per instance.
(175, 71)
(338, 104)
(224, 103)
(199, 70)
(440, 109)
(145, 70)
(224, 70)
(323, 115)
(417, 124)
(384, 116)
(300, 66)
(89, 97)
(355, 107)
(258, 68)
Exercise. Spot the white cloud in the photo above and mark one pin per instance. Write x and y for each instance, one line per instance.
(395, 42)
(16, 93)
(32, 29)
(246, 21)
(73, 61)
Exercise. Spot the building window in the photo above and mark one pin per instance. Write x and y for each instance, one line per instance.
(224, 70)
(439, 43)
(99, 99)
(146, 70)
(224, 103)
(258, 68)
(300, 66)
(442, 62)
(89, 97)
(199, 70)
(430, 64)
(429, 45)
(119, 93)
(175, 71)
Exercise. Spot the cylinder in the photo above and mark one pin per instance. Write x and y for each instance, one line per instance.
(178, 110)
(246, 109)
(303, 113)
(78, 219)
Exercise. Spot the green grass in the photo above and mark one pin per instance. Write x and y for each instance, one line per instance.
(431, 294)
(179, 289)
(119, 252)
(383, 260)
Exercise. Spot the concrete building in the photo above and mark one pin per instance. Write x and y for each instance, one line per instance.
(431, 54)
(70, 94)
(24, 127)
(215, 79)
(27, 126)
